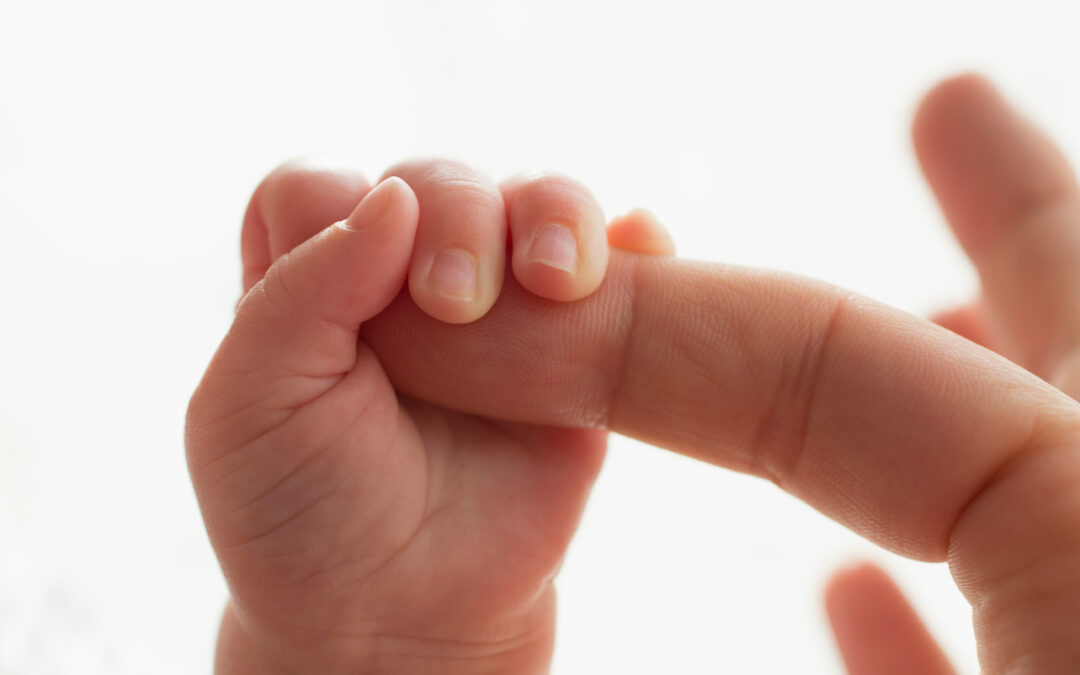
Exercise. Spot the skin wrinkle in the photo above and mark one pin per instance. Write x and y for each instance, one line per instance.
(590, 404)
(1049, 558)
(342, 334)
(484, 649)
(448, 180)
(481, 197)
(608, 416)
(412, 538)
(997, 476)
(662, 349)
(369, 577)
(536, 626)
(986, 593)
(281, 307)
(415, 414)
(273, 645)
(925, 496)
(287, 309)
(994, 583)
(254, 540)
(440, 170)
(289, 414)
(994, 615)
(278, 273)
(805, 384)
(203, 433)
(401, 422)
(322, 448)
(370, 574)
(689, 361)
(358, 419)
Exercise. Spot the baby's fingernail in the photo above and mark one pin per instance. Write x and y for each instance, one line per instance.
(373, 206)
(453, 274)
(555, 246)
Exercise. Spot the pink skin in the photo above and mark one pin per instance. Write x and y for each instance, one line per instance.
(363, 530)
(401, 502)
(1013, 202)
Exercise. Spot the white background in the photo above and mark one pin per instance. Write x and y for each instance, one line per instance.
(762, 133)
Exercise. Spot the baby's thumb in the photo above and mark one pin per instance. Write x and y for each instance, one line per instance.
(295, 333)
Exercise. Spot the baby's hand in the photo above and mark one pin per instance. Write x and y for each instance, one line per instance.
(361, 530)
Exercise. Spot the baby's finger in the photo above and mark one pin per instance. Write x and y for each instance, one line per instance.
(460, 255)
(558, 232)
(294, 202)
(876, 629)
(294, 335)
(640, 232)
(1014, 205)
(294, 420)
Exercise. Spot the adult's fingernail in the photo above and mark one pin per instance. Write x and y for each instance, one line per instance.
(555, 246)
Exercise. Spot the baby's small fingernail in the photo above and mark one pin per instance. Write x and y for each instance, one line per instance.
(453, 275)
(555, 246)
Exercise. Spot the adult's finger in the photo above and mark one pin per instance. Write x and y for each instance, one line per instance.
(918, 439)
(876, 629)
(293, 203)
(1013, 202)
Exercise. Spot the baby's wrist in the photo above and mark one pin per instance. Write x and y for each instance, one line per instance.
(247, 659)
(238, 653)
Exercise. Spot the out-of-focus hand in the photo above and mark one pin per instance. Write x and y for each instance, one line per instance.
(1013, 203)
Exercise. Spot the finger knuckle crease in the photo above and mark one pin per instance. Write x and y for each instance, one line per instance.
(784, 430)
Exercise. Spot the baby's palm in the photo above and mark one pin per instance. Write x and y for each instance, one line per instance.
(439, 536)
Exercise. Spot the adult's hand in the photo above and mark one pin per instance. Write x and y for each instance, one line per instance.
(922, 441)
(1012, 201)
